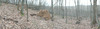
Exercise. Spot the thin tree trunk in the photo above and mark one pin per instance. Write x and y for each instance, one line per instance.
(62, 8)
(18, 5)
(59, 7)
(22, 8)
(39, 4)
(91, 15)
(65, 11)
(52, 9)
(0, 2)
(27, 10)
(91, 9)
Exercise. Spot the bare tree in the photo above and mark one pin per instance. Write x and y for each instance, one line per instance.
(77, 10)
(39, 4)
(94, 22)
(59, 6)
(27, 10)
(75, 7)
(91, 15)
(0, 2)
(62, 8)
(52, 9)
(91, 9)
(22, 8)
(65, 11)
(18, 4)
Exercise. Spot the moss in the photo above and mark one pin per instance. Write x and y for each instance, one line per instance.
(22, 13)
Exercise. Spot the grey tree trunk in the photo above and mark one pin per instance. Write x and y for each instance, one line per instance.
(59, 6)
(52, 10)
(65, 10)
(27, 10)
(62, 8)
(22, 8)
(0, 2)
(77, 14)
(39, 4)
(18, 5)
(91, 9)
(91, 15)
(94, 22)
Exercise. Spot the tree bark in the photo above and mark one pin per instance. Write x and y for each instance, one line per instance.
(0, 2)
(18, 5)
(52, 10)
(77, 13)
(39, 4)
(27, 10)
(94, 22)
(65, 11)
(22, 8)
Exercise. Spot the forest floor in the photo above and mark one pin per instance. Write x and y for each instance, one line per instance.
(10, 18)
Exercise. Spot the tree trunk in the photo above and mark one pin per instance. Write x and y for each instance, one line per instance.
(94, 22)
(65, 11)
(62, 8)
(27, 10)
(0, 2)
(59, 7)
(39, 4)
(18, 5)
(7, 1)
(77, 13)
(90, 10)
(52, 9)
(22, 8)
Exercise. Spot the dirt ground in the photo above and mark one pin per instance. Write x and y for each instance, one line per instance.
(10, 18)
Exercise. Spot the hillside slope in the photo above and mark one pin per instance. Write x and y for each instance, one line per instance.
(11, 19)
